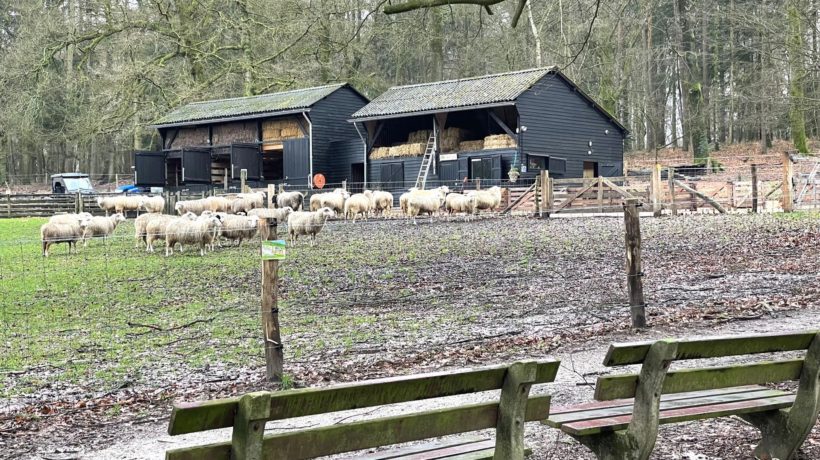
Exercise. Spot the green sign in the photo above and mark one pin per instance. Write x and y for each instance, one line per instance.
(274, 250)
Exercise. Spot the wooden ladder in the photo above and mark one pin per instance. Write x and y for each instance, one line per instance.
(426, 161)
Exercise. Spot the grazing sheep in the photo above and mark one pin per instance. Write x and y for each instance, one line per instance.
(53, 233)
(428, 201)
(183, 231)
(107, 203)
(194, 206)
(294, 200)
(100, 226)
(487, 199)
(156, 226)
(69, 218)
(152, 203)
(334, 200)
(123, 204)
(359, 203)
(243, 205)
(278, 214)
(403, 201)
(456, 202)
(382, 202)
(238, 228)
(307, 223)
(218, 204)
(141, 227)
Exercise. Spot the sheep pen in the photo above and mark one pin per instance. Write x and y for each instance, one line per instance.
(110, 336)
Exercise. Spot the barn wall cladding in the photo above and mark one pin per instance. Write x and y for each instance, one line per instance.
(531, 119)
(279, 138)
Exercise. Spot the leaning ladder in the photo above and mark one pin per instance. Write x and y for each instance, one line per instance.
(809, 180)
(426, 161)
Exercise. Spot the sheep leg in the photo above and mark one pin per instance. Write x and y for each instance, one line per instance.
(168, 249)
(45, 248)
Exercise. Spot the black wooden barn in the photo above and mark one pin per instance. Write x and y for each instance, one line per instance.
(285, 137)
(531, 120)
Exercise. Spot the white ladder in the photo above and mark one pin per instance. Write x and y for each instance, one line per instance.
(426, 161)
(809, 180)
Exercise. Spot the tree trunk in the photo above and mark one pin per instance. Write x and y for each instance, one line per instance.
(797, 75)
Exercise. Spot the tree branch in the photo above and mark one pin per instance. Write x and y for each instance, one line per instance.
(420, 4)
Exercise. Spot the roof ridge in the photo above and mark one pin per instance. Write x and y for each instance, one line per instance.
(477, 77)
(278, 93)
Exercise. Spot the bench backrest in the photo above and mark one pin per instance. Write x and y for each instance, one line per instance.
(250, 412)
(625, 385)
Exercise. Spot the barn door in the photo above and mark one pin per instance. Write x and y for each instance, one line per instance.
(149, 169)
(392, 176)
(463, 168)
(448, 171)
(495, 168)
(196, 165)
(296, 159)
(246, 156)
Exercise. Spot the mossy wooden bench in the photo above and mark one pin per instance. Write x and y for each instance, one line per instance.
(621, 428)
(248, 414)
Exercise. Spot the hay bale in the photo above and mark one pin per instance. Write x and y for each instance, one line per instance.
(415, 149)
(419, 136)
(470, 146)
(498, 141)
(379, 153)
(450, 138)
(290, 132)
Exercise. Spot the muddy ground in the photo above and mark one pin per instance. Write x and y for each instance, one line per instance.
(386, 298)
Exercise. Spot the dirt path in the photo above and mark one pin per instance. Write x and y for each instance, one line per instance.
(714, 439)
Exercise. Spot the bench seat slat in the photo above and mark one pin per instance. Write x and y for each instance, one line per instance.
(556, 420)
(621, 354)
(349, 437)
(450, 452)
(601, 425)
(415, 449)
(630, 401)
(684, 380)
(201, 416)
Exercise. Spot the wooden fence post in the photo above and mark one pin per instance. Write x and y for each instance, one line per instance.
(539, 208)
(225, 181)
(243, 177)
(656, 190)
(634, 273)
(549, 198)
(271, 195)
(478, 184)
(270, 320)
(754, 188)
(78, 203)
(546, 186)
(670, 171)
(8, 204)
(601, 194)
(788, 173)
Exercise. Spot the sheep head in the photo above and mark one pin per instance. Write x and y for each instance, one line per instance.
(179, 208)
(327, 213)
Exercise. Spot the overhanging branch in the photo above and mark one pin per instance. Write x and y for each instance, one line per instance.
(411, 5)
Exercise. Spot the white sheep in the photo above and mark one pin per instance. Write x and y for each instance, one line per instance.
(184, 231)
(55, 232)
(294, 200)
(429, 201)
(152, 203)
(194, 206)
(238, 228)
(69, 218)
(382, 201)
(334, 200)
(107, 203)
(243, 205)
(256, 198)
(123, 204)
(457, 203)
(278, 214)
(307, 223)
(487, 199)
(156, 226)
(359, 203)
(141, 227)
(403, 202)
(100, 226)
(218, 204)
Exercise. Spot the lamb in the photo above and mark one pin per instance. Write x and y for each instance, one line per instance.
(156, 226)
(487, 199)
(194, 206)
(456, 202)
(69, 218)
(218, 204)
(307, 223)
(152, 203)
(238, 228)
(334, 200)
(100, 226)
(359, 203)
(428, 201)
(382, 201)
(184, 231)
(294, 200)
(55, 232)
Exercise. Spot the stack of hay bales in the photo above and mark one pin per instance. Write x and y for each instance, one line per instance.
(281, 129)
(379, 152)
(397, 151)
(450, 139)
(419, 136)
(470, 146)
(498, 141)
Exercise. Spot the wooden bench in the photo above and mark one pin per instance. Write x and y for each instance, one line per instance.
(248, 414)
(621, 428)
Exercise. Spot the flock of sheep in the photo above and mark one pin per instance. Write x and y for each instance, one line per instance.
(205, 222)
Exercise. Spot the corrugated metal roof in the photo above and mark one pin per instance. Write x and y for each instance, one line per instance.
(467, 92)
(241, 106)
